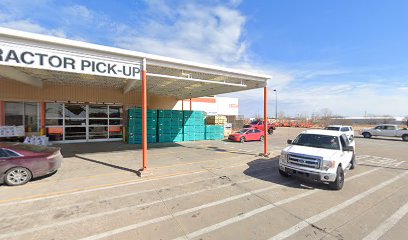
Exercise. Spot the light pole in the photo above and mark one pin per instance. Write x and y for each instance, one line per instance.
(276, 104)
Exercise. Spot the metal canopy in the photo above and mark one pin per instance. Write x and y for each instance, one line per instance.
(165, 76)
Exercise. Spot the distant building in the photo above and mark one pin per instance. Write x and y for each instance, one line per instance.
(371, 120)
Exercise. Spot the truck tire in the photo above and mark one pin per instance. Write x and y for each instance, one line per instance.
(270, 131)
(405, 137)
(366, 135)
(353, 162)
(283, 174)
(339, 182)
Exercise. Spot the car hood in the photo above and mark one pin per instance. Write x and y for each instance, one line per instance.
(326, 154)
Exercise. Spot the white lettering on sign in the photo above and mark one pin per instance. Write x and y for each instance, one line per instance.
(40, 58)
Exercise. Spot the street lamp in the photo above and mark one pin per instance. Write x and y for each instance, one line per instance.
(276, 104)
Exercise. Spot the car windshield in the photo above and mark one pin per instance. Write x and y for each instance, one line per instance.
(242, 131)
(317, 141)
(333, 128)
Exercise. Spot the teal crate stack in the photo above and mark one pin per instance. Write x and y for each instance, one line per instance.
(214, 132)
(134, 126)
(194, 127)
(170, 126)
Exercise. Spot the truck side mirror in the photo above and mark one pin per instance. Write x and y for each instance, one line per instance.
(289, 141)
(348, 148)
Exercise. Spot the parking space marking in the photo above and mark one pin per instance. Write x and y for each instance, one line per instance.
(34, 198)
(126, 209)
(135, 193)
(163, 218)
(388, 224)
(259, 210)
(379, 161)
(318, 217)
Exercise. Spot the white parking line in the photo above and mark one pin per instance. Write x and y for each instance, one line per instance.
(259, 210)
(108, 187)
(388, 224)
(160, 219)
(314, 219)
(125, 209)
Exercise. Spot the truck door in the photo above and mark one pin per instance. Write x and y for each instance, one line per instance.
(378, 131)
(345, 155)
(389, 131)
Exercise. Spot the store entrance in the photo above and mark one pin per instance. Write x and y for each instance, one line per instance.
(73, 122)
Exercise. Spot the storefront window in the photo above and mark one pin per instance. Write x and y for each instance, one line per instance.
(22, 114)
(54, 110)
(31, 119)
(115, 112)
(14, 113)
(98, 111)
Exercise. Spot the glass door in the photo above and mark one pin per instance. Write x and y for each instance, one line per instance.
(98, 122)
(75, 118)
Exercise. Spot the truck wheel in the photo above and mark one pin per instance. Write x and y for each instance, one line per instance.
(353, 162)
(242, 140)
(339, 182)
(270, 131)
(367, 135)
(261, 138)
(283, 174)
(405, 138)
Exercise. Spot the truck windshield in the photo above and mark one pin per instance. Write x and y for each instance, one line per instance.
(317, 141)
(255, 122)
(333, 128)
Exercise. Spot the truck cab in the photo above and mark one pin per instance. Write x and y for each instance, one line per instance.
(385, 130)
(319, 155)
(259, 124)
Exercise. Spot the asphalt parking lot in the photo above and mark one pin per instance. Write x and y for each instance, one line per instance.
(208, 190)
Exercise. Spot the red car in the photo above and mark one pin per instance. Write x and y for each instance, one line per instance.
(19, 163)
(247, 134)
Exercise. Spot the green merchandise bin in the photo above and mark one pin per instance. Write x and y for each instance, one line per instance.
(214, 129)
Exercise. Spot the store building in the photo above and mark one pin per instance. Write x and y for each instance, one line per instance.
(74, 91)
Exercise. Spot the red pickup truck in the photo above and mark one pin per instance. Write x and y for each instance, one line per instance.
(259, 124)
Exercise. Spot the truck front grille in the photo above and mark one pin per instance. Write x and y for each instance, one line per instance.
(304, 160)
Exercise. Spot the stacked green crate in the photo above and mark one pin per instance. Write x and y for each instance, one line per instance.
(194, 127)
(134, 126)
(170, 126)
(214, 132)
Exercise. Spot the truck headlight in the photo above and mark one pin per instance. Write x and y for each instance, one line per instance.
(327, 164)
(284, 156)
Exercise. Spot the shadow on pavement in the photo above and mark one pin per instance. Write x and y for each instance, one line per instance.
(272, 165)
(72, 149)
(109, 165)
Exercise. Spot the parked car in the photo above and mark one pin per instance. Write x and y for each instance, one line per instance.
(386, 130)
(348, 130)
(319, 155)
(259, 124)
(247, 134)
(19, 163)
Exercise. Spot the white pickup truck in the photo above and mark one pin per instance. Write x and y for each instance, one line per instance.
(319, 155)
(386, 130)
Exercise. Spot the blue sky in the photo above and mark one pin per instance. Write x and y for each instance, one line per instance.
(347, 56)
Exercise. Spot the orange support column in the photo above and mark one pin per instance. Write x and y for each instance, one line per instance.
(191, 105)
(144, 114)
(2, 114)
(182, 105)
(42, 119)
(266, 153)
